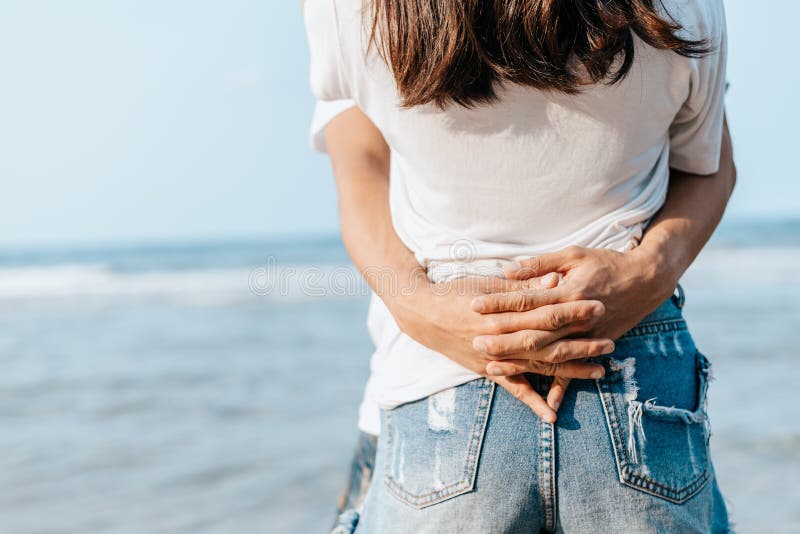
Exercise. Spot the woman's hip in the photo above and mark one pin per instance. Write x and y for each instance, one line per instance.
(628, 448)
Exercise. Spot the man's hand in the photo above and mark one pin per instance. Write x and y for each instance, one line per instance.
(439, 316)
(630, 285)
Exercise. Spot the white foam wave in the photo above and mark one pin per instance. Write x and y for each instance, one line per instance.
(72, 281)
(715, 268)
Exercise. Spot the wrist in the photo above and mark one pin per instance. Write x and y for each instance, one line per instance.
(409, 293)
(660, 269)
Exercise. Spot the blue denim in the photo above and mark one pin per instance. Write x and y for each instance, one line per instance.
(629, 452)
(358, 481)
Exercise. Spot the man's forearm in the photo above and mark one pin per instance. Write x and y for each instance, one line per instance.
(693, 209)
(360, 161)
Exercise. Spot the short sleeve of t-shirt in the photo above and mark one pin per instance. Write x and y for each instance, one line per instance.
(328, 77)
(696, 132)
(324, 112)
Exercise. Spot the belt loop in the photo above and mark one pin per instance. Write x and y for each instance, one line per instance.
(679, 297)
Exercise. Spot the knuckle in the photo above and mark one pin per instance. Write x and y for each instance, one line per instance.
(529, 284)
(532, 296)
(529, 341)
(560, 318)
(558, 354)
(555, 319)
(580, 311)
(534, 266)
(517, 302)
(492, 347)
(574, 251)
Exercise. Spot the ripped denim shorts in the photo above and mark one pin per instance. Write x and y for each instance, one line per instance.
(629, 452)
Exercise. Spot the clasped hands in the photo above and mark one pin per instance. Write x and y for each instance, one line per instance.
(547, 316)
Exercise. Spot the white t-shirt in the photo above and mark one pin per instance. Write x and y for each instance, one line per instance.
(529, 174)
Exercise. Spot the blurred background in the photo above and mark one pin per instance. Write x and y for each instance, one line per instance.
(155, 169)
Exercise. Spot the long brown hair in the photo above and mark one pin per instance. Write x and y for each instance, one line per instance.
(445, 51)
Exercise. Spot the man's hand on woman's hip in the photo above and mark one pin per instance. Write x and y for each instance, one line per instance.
(440, 317)
(630, 285)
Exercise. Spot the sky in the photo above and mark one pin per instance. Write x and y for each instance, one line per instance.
(142, 120)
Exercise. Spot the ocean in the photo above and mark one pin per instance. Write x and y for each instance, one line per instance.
(213, 387)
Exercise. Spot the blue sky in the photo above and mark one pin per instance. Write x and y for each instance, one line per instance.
(140, 120)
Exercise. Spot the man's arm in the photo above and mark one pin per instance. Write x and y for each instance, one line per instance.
(691, 213)
(360, 161)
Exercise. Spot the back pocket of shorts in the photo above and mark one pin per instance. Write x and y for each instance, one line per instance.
(660, 450)
(433, 445)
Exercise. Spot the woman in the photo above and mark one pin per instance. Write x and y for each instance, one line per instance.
(525, 138)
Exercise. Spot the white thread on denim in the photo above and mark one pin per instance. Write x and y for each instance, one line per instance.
(662, 347)
(438, 483)
(677, 343)
(441, 411)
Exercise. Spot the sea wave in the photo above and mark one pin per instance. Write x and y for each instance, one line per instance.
(71, 281)
(716, 267)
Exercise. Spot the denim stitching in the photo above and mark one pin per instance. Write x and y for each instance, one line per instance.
(486, 394)
(547, 460)
(656, 327)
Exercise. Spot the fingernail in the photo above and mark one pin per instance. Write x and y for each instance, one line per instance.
(556, 405)
(597, 374)
(477, 305)
(609, 349)
(598, 310)
(549, 418)
(512, 267)
(479, 345)
(547, 280)
(494, 370)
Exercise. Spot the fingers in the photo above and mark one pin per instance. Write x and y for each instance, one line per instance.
(546, 263)
(518, 300)
(551, 317)
(522, 390)
(542, 344)
(557, 391)
(517, 342)
(583, 370)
